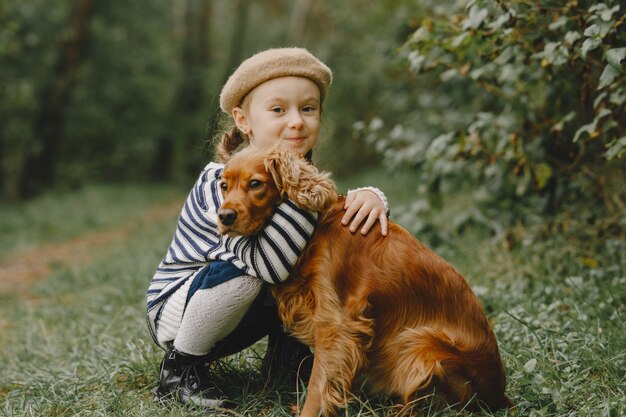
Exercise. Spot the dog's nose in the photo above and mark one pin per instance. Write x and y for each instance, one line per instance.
(227, 216)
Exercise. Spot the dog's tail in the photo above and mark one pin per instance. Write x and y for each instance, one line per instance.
(467, 377)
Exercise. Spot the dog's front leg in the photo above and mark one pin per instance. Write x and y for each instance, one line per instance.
(339, 354)
(313, 403)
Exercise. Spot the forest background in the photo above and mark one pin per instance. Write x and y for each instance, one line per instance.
(493, 125)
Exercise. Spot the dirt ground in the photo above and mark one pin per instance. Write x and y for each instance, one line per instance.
(19, 269)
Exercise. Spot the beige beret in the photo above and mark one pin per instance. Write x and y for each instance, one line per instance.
(270, 64)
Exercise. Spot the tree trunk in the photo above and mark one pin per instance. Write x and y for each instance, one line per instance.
(235, 52)
(237, 38)
(177, 154)
(300, 21)
(39, 167)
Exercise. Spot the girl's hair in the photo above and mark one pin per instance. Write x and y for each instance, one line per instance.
(230, 141)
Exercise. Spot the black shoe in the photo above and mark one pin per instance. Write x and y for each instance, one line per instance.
(286, 359)
(185, 378)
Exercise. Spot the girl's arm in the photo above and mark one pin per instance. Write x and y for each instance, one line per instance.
(369, 204)
(270, 254)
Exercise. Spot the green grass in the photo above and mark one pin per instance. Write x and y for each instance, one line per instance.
(59, 215)
(77, 345)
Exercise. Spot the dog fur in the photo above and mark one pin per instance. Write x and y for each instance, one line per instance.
(387, 308)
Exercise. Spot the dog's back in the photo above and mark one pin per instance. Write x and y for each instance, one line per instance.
(424, 324)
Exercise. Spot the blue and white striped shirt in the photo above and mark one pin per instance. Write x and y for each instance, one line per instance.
(269, 255)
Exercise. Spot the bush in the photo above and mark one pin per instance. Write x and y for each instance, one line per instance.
(525, 99)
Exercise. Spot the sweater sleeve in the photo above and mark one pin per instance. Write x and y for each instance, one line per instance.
(270, 254)
(378, 192)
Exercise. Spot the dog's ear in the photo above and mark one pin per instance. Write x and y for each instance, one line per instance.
(300, 181)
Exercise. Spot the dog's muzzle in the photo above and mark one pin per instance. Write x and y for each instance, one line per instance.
(227, 216)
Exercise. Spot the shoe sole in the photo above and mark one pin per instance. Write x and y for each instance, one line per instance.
(190, 399)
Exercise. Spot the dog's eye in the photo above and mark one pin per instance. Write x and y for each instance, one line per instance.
(223, 186)
(255, 184)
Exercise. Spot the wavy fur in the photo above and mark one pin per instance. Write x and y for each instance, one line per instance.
(387, 308)
(299, 180)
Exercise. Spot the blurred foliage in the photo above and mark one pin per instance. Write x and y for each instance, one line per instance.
(522, 100)
(509, 104)
(141, 103)
(117, 100)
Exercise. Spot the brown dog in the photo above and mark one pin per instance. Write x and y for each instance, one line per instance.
(385, 307)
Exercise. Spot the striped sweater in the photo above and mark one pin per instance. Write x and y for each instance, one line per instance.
(269, 255)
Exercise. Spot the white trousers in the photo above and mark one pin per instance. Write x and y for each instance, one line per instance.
(209, 316)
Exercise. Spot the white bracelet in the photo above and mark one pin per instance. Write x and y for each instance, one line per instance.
(376, 191)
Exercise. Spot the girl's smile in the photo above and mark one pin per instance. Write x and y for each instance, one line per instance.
(285, 109)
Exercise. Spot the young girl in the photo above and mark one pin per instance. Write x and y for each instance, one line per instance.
(208, 297)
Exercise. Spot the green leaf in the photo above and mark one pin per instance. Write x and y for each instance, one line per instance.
(507, 54)
(416, 61)
(603, 11)
(439, 144)
(457, 41)
(421, 34)
(555, 53)
(543, 172)
(618, 97)
(614, 57)
(589, 262)
(567, 118)
(616, 148)
(607, 14)
(529, 366)
(605, 28)
(523, 184)
(599, 100)
(571, 37)
(588, 129)
(597, 7)
(592, 31)
(588, 45)
(558, 23)
(603, 113)
(479, 72)
(475, 18)
(502, 20)
(608, 76)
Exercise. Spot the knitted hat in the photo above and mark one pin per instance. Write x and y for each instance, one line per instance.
(270, 64)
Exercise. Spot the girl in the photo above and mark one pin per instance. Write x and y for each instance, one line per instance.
(208, 298)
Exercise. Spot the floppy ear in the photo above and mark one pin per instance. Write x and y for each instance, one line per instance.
(299, 180)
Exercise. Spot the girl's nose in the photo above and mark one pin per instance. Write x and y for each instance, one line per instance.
(295, 120)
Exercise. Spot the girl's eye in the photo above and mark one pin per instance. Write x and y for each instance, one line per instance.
(308, 108)
(223, 186)
(277, 109)
(255, 184)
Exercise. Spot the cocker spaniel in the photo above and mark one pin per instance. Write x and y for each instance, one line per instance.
(386, 308)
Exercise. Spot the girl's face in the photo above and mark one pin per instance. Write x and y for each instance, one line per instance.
(283, 110)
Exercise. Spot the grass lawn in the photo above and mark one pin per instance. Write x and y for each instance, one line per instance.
(76, 343)
(58, 216)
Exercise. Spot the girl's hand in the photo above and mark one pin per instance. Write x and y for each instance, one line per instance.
(364, 205)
